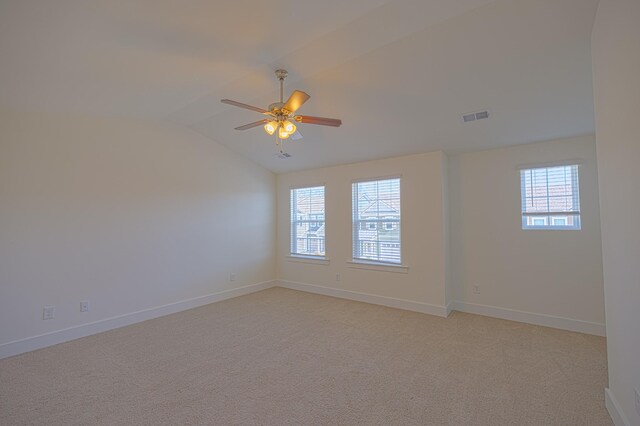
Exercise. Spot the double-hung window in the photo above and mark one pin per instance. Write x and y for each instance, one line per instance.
(307, 221)
(376, 221)
(550, 197)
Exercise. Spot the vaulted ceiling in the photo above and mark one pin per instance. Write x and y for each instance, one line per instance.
(399, 73)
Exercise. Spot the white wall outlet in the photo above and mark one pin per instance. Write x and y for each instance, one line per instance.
(232, 276)
(637, 399)
(84, 306)
(476, 289)
(48, 312)
(337, 277)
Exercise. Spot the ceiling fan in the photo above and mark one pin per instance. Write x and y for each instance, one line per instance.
(280, 115)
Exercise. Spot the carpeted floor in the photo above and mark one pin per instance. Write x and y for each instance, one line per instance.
(282, 357)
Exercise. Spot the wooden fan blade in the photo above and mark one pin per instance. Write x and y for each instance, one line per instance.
(252, 125)
(322, 121)
(296, 136)
(295, 101)
(245, 106)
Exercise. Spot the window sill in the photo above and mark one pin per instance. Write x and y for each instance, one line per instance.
(375, 266)
(552, 228)
(314, 260)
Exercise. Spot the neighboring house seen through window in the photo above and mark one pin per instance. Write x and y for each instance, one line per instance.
(376, 221)
(307, 221)
(550, 198)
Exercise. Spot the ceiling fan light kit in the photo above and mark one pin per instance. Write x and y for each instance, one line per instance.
(289, 127)
(271, 127)
(281, 114)
(282, 133)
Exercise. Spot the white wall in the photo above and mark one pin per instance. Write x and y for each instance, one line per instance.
(616, 67)
(423, 234)
(547, 273)
(449, 289)
(129, 215)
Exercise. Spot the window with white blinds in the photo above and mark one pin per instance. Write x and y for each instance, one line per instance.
(376, 221)
(550, 198)
(307, 221)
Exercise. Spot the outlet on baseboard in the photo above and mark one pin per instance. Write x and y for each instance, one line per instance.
(84, 306)
(476, 289)
(337, 277)
(232, 276)
(637, 399)
(48, 312)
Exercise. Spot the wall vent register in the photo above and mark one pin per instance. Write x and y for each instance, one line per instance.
(474, 116)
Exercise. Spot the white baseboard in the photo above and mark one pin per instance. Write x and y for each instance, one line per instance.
(545, 320)
(59, 336)
(617, 415)
(391, 302)
(449, 308)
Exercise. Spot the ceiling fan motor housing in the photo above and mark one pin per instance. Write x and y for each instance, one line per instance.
(275, 107)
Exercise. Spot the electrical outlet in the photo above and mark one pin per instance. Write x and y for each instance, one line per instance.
(337, 277)
(232, 277)
(637, 399)
(48, 312)
(476, 289)
(84, 306)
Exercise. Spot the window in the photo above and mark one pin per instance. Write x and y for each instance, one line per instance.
(550, 198)
(559, 221)
(376, 221)
(307, 221)
(539, 221)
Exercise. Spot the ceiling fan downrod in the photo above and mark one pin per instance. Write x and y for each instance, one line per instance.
(281, 74)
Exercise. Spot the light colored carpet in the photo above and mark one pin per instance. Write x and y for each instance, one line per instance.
(281, 357)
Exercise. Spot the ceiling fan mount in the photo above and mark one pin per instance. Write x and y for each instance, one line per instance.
(281, 74)
(280, 114)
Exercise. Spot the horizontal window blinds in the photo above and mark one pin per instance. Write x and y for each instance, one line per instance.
(376, 221)
(308, 221)
(550, 198)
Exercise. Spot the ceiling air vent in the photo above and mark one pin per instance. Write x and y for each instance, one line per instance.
(473, 116)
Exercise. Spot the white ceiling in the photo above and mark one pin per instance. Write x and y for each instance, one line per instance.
(397, 72)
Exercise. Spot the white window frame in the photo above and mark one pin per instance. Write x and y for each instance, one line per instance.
(549, 215)
(294, 221)
(356, 225)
